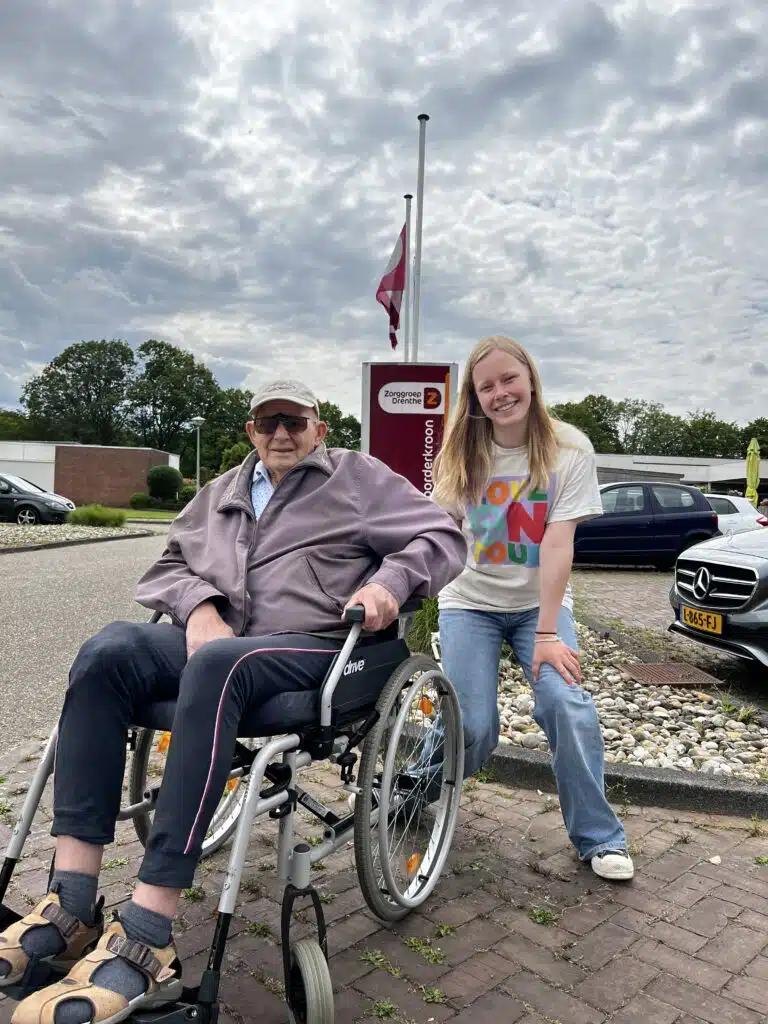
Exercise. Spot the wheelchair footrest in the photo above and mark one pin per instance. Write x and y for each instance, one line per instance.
(182, 1011)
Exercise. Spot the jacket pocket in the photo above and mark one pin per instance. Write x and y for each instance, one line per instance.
(335, 579)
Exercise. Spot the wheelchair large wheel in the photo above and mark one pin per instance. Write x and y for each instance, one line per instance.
(311, 987)
(405, 819)
(146, 764)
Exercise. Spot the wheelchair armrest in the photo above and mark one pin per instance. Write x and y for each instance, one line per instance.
(357, 612)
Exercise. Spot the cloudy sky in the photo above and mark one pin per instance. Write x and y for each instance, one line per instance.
(228, 175)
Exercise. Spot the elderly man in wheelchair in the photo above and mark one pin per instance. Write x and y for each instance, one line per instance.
(286, 582)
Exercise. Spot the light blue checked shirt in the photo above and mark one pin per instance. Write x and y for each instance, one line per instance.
(261, 488)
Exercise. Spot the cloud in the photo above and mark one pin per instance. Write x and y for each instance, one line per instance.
(229, 177)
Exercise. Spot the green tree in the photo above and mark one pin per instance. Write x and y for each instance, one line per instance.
(164, 482)
(15, 426)
(645, 428)
(224, 427)
(171, 388)
(81, 395)
(757, 428)
(235, 455)
(708, 437)
(343, 431)
(598, 417)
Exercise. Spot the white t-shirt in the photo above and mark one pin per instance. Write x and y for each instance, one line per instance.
(504, 534)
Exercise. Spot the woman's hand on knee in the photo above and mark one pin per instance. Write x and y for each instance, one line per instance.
(563, 659)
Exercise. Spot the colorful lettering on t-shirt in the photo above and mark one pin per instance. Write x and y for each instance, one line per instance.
(506, 528)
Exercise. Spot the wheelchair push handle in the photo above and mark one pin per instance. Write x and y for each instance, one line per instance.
(355, 613)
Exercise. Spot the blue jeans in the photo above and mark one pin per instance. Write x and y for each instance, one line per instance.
(470, 643)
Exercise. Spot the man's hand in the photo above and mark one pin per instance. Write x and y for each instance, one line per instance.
(381, 609)
(205, 624)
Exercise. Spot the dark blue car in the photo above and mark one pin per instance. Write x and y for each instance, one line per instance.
(645, 523)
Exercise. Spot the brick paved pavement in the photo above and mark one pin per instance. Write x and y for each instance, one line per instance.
(637, 598)
(517, 932)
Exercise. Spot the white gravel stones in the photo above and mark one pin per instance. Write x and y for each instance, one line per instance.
(654, 726)
(13, 536)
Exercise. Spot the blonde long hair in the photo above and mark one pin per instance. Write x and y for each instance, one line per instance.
(463, 465)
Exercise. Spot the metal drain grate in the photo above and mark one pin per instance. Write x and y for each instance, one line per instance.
(668, 673)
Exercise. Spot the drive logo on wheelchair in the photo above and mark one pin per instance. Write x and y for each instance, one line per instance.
(354, 666)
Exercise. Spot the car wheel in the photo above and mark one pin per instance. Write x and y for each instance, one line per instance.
(27, 516)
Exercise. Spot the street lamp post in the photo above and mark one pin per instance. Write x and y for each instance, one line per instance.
(197, 422)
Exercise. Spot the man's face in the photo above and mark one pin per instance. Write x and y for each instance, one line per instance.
(281, 445)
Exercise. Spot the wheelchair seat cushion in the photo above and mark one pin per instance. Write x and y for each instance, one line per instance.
(286, 712)
(365, 676)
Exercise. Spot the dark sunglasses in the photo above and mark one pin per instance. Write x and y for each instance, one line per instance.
(269, 424)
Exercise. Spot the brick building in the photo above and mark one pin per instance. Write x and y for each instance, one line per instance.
(84, 473)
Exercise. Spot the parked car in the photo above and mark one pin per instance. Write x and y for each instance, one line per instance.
(645, 523)
(735, 514)
(25, 503)
(720, 595)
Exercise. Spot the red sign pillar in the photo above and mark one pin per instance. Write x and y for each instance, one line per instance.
(405, 409)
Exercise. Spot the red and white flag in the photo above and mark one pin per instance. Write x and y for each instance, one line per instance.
(392, 286)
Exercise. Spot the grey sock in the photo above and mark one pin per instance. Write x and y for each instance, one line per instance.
(77, 895)
(147, 926)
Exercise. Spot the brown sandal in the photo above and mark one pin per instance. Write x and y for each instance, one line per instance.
(77, 937)
(160, 967)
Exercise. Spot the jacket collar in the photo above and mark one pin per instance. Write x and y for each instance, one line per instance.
(237, 494)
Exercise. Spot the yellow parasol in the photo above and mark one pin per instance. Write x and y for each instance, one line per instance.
(753, 471)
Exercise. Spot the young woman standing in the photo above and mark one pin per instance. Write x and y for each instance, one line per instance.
(518, 481)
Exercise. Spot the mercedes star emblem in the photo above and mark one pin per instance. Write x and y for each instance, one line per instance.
(701, 583)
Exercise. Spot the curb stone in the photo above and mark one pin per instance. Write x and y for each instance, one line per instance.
(72, 543)
(649, 787)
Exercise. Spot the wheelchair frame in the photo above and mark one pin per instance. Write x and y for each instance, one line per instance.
(199, 1003)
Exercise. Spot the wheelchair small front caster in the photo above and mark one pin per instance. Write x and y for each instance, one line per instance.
(310, 995)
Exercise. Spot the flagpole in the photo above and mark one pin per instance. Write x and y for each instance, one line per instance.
(423, 118)
(407, 292)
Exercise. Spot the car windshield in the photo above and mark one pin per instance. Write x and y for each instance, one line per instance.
(22, 484)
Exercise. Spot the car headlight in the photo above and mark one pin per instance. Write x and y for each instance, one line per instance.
(56, 505)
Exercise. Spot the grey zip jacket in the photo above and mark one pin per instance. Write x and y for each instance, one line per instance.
(336, 521)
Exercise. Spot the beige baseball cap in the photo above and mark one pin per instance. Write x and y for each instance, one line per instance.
(288, 391)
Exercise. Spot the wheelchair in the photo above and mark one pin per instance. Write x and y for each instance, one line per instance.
(376, 696)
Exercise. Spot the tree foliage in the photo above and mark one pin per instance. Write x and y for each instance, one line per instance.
(224, 426)
(235, 455)
(164, 482)
(598, 417)
(15, 426)
(172, 387)
(638, 427)
(343, 431)
(81, 395)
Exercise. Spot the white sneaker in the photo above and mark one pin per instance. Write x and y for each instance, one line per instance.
(615, 865)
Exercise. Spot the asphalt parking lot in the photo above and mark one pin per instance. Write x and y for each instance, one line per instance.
(51, 601)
